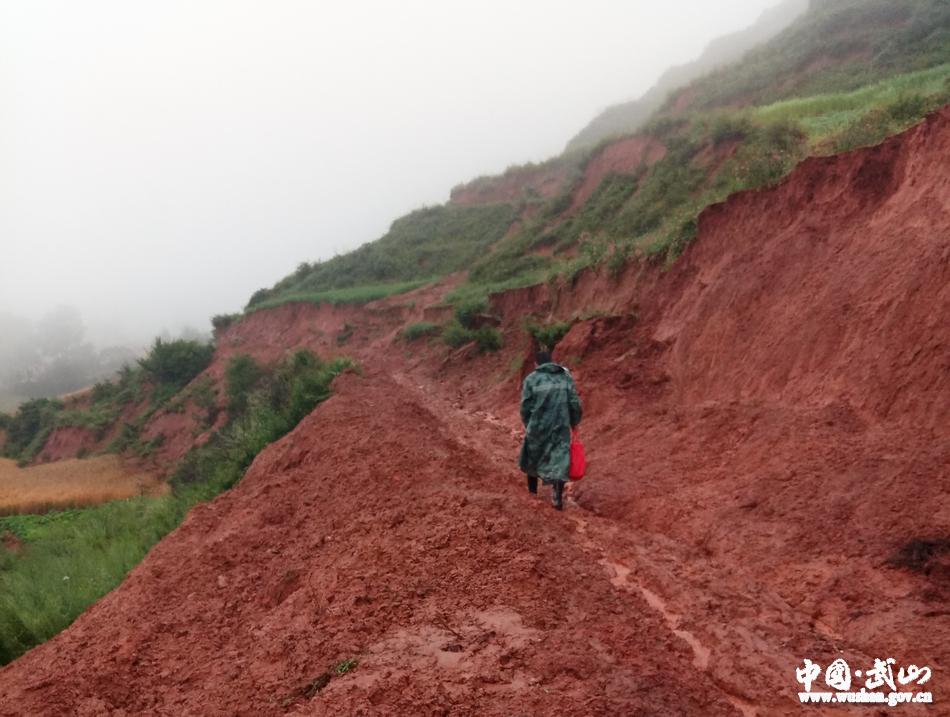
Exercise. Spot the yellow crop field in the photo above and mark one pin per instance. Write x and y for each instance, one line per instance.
(71, 483)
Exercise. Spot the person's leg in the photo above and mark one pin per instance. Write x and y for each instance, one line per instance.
(557, 495)
(532, 484)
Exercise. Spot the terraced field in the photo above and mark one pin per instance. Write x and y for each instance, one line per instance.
(71, 484)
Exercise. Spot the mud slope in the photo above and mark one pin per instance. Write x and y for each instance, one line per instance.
(779, 414)
(767, 424)
(454, 592)
(767, 421)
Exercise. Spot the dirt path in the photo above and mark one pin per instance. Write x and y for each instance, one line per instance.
(743, 636)
(377, 531)
(392, 528)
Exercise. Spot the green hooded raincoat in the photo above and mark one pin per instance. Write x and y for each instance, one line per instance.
(550, 407)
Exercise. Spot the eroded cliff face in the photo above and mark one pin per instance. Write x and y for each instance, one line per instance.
(833, 286)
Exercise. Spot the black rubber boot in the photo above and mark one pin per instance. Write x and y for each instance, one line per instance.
(533, 484)
(557, 495)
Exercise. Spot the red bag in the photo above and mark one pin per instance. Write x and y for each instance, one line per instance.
(578, 461)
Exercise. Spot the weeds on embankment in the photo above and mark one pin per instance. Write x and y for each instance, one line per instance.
(418, 247)
(649, 213)
(68, 560)
(349, 295)
(652, 212)
(835, 46)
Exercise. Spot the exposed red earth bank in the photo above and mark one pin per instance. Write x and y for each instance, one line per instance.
(767, 423)
(66, 442)
(621, 157)
(523, 182)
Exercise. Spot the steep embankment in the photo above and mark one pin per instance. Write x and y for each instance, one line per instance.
(767, 425)
(783, 405)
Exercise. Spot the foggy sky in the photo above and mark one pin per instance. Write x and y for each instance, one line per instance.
(159, 161)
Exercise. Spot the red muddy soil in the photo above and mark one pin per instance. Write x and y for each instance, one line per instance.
(621, 157)
(71, 441)
(66, 442)
(376, 532)
(513, 186)
(767, 425)
(713, 156)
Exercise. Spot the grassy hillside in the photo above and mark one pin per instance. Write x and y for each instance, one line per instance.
(838, 45)
(628, 117)
(425, 244)
(847, 73)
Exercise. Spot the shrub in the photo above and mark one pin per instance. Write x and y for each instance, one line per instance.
(662, 126)
(506, 264)
(866, 130)
(29, 428)
(548, 335)
(488, 338)
(309, 387)
(456, 335)
(241, 375)
(97, 418)
(687, 232)
(223, 321)
(127, 439)
(618, 259)
(175, 363)
(143, 449)
(730, 127)
(783, 135)
(468, 310)
(203, 394)
(103, 391)
(258, 297)
(303, 268)
(908, 107)
(131, 385)
(278, 401)
(413, 332)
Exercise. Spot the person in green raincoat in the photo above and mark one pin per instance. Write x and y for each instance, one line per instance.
(550, 409)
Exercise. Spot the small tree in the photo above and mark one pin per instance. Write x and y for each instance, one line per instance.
(241, 376)
(548, 335)
(175, 363)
